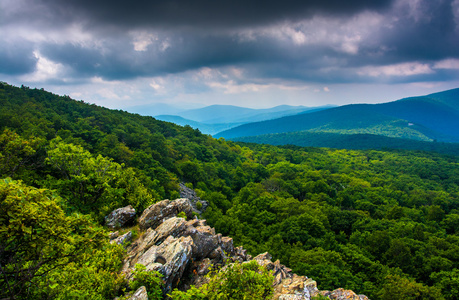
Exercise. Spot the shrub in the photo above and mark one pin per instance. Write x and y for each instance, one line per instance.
(248, 281)
(181, 215)
(151, 280)
(46, 254)
(199, 205)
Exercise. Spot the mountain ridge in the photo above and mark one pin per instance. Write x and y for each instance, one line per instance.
(432, 118)
(216, 114)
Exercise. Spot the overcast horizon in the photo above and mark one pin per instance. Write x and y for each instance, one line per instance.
(256, 54)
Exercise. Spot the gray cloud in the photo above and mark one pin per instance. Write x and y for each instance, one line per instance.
(326, 42)
(16, 58)
(202, 13)
(427, 31)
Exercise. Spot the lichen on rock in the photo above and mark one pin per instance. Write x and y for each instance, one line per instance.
(120, 217)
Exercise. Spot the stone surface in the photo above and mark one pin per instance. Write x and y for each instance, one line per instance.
(127, 237)
(155, 214)
(120, 217)
(342, 294)
(227, 245)
(113, 235)
(186, 192)
(296, 287)
(140, 294)
(204, 240)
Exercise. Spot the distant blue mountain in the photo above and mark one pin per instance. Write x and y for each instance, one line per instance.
(204, 128)
(217, 114)
(215, 118)
(159, 109)
(431, 117)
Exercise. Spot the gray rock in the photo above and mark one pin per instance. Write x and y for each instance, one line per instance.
(169, 258)
(342, 294)
(119, 217)
(127, 237)
(186, 192)
(162, 250)
(140, 294)
(157, 213)
(227, 245)
(204, 240)
(113, 235)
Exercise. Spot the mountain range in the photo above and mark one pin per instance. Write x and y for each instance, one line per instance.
(215, 118)
(433, 117)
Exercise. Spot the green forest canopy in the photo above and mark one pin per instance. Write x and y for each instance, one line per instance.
(382, 223)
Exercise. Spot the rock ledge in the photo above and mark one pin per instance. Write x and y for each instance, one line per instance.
(184, 250)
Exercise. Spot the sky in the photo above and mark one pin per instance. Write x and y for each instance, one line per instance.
(252, 53)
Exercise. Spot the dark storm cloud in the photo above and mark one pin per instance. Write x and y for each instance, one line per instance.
(16, 58)
(428, 32)
(119, 60)
(174, 13)
(187, 35)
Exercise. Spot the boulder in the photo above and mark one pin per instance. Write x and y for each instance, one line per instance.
(186, 192)
(150, 239)
(169, 258)
(171, 227)
(342, 294)
(157, 213)
(240, 254)
(161, 251)
(176, 253)
(140, 294)
(295, 287)
(227, 245)
(119, 217)
(204, 240)
(113, 235)
(127, 237)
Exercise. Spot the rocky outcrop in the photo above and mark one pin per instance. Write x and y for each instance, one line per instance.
(122, 240)
(190, 194)
(154, 215)
(120, 217)
(140, 294)
(342, 294)
(184, 251)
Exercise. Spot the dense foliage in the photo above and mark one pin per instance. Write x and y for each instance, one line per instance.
(248, 281)
(46, 254)
(382, 223)
(349, 140)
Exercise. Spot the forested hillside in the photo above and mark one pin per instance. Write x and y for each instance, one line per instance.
(382, 223)
(426, 118)
(356, 141)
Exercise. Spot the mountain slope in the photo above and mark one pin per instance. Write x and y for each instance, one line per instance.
(420, 118)
(217, 114)
(349, 141)
(158, 109)
(449, 97)
(427, 112)
(203, 127)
